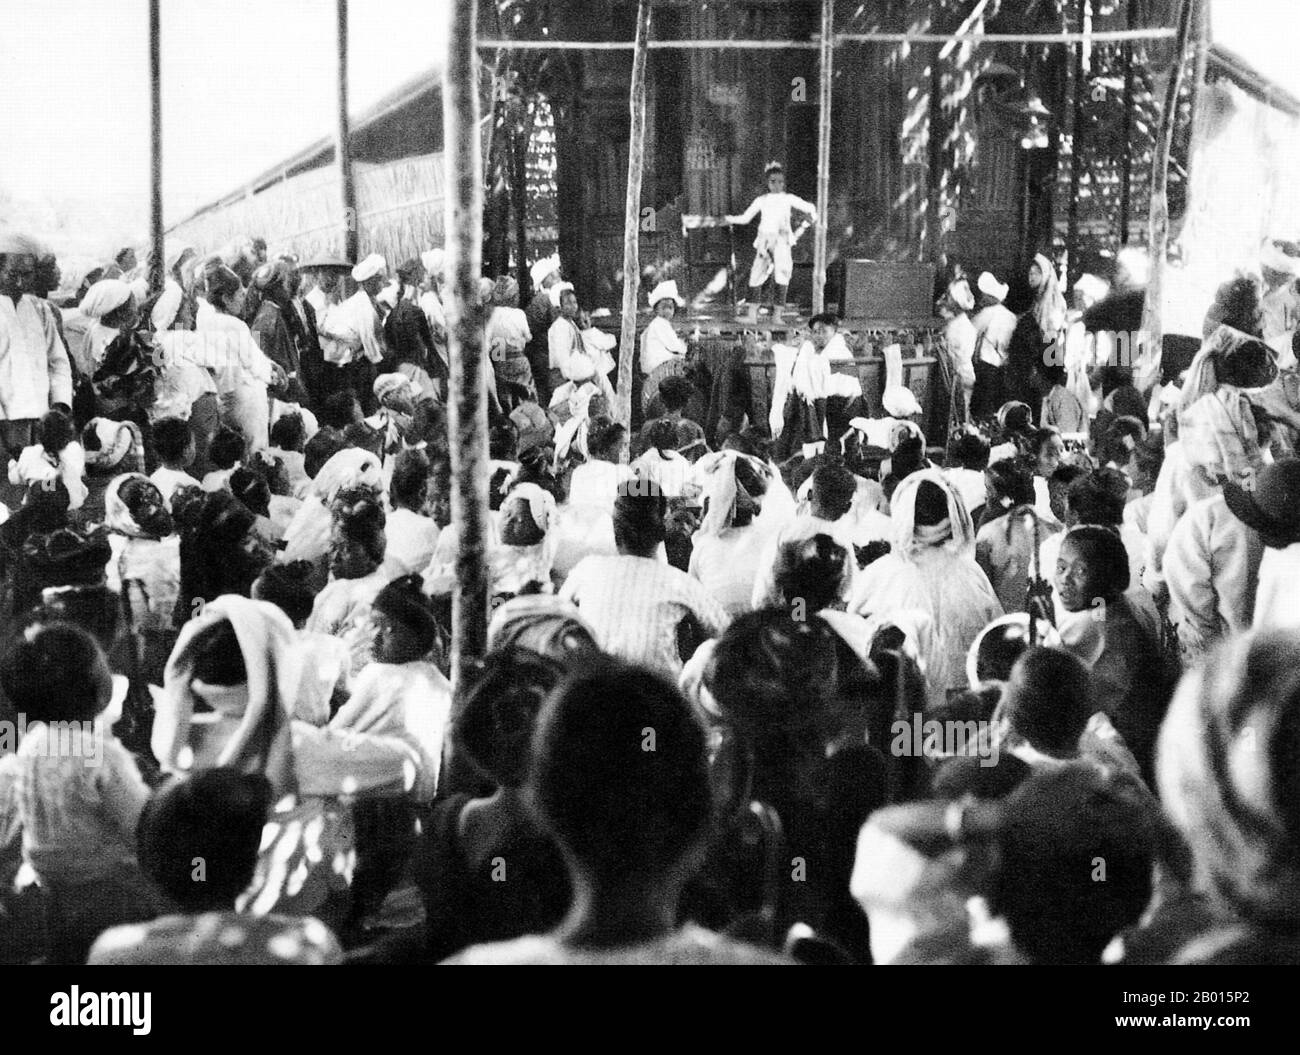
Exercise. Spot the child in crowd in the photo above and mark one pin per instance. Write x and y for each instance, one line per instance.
(80, 792)
(288, 442)
(227, 453)
(58, 455)
(174, 443)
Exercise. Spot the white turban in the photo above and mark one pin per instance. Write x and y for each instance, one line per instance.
(543, 269)
(991, 287)
(434, 260)
(371, 266)
(104, 297)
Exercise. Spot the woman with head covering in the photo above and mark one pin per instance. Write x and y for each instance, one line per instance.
(308, 535)
(357, 573)
(727, 548)
(1038, 332)
(1122, 643)
(541, 623)
(931, 569)
(507, 338)
(234, 695)
(242, 371)
(145, 566)
(1226, 774)
(521, 561)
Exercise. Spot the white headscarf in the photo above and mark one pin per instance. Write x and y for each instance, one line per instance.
(1049, 305)
(261, 741)
(715, 473)
(514, 567)
(957, 535)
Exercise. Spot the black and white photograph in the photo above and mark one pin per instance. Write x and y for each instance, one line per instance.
(651, 482)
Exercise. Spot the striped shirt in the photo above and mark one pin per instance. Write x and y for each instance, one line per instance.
(634, 605)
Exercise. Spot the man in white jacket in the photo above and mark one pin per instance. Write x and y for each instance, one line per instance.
(35, 373)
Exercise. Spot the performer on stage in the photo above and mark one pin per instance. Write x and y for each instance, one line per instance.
(773, 258)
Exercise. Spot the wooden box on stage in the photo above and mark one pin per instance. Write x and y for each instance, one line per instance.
(868, 289)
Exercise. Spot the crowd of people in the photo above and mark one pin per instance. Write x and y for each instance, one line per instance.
(806, 690)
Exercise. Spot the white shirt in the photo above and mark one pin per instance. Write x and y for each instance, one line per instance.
(773, 211)
(727, 564)
(659, 344)
(1275, 600)
(997, 323)
(411, 540)
(34, 367)
(168, 480)
(634, 605)
(507, 330)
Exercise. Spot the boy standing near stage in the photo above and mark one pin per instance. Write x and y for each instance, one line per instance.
(773, 258)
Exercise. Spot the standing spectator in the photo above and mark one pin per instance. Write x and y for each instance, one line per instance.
(35, 373)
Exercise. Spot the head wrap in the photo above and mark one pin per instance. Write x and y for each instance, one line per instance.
(557, 291)
(1218, 767)
(990, 286)
(538, 622)
(117, 440)
(716, 475)
(261, 741)
(514, 567)
(104, 297)
(956, 533)
(507, 288)
(371, 266)
(959, 293)
(434, 260)
(167, 306)
(350, 467)
(117, 515)
(389, 384)
(1203, 373)
(543, 269)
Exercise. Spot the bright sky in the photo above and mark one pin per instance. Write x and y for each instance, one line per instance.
(245, 84)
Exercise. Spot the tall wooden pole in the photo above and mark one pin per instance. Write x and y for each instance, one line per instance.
(156, 264)
(342, 148)
(1126, 163)
(632, 219)
(825, 75)
(468, 412)
(1077, 122)
(1148, 367)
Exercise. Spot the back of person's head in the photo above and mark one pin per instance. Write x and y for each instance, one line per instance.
(1236, 304)
(1012, 481)
(214, 817)
(321, 448)
(675, 393)
(95, 608)
(775, 680)
(503, 440)
(251, 488)
(289, 433)
(833, 488)
(908, 457)
(662, 436)
(499, 713)
(56, 431)
(1077, 847)
(1047, 700)
(970, 450)
(340, 410)
(227, 448)
(172, 438)
(45, 506)
(1016, 418)
(1053, 374)
(55, 672)
(288, 587)
(1099, 497)
(639, 522)
(604, 437)
(404, 601)
(360, 519)
(218, 659)
(1249, 366)
(619, 775)
(410, 484)
(811, 571)
(961, 775)
(749, 441)
(931, 508)
(1122, 438)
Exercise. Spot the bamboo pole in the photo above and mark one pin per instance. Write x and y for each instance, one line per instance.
(156, 264)
(1158, 224)
(468, 397)
(342, 147)
(1106, 36)
(825, 76)
(1077, 122)
(632, 219)
(1126, 164)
